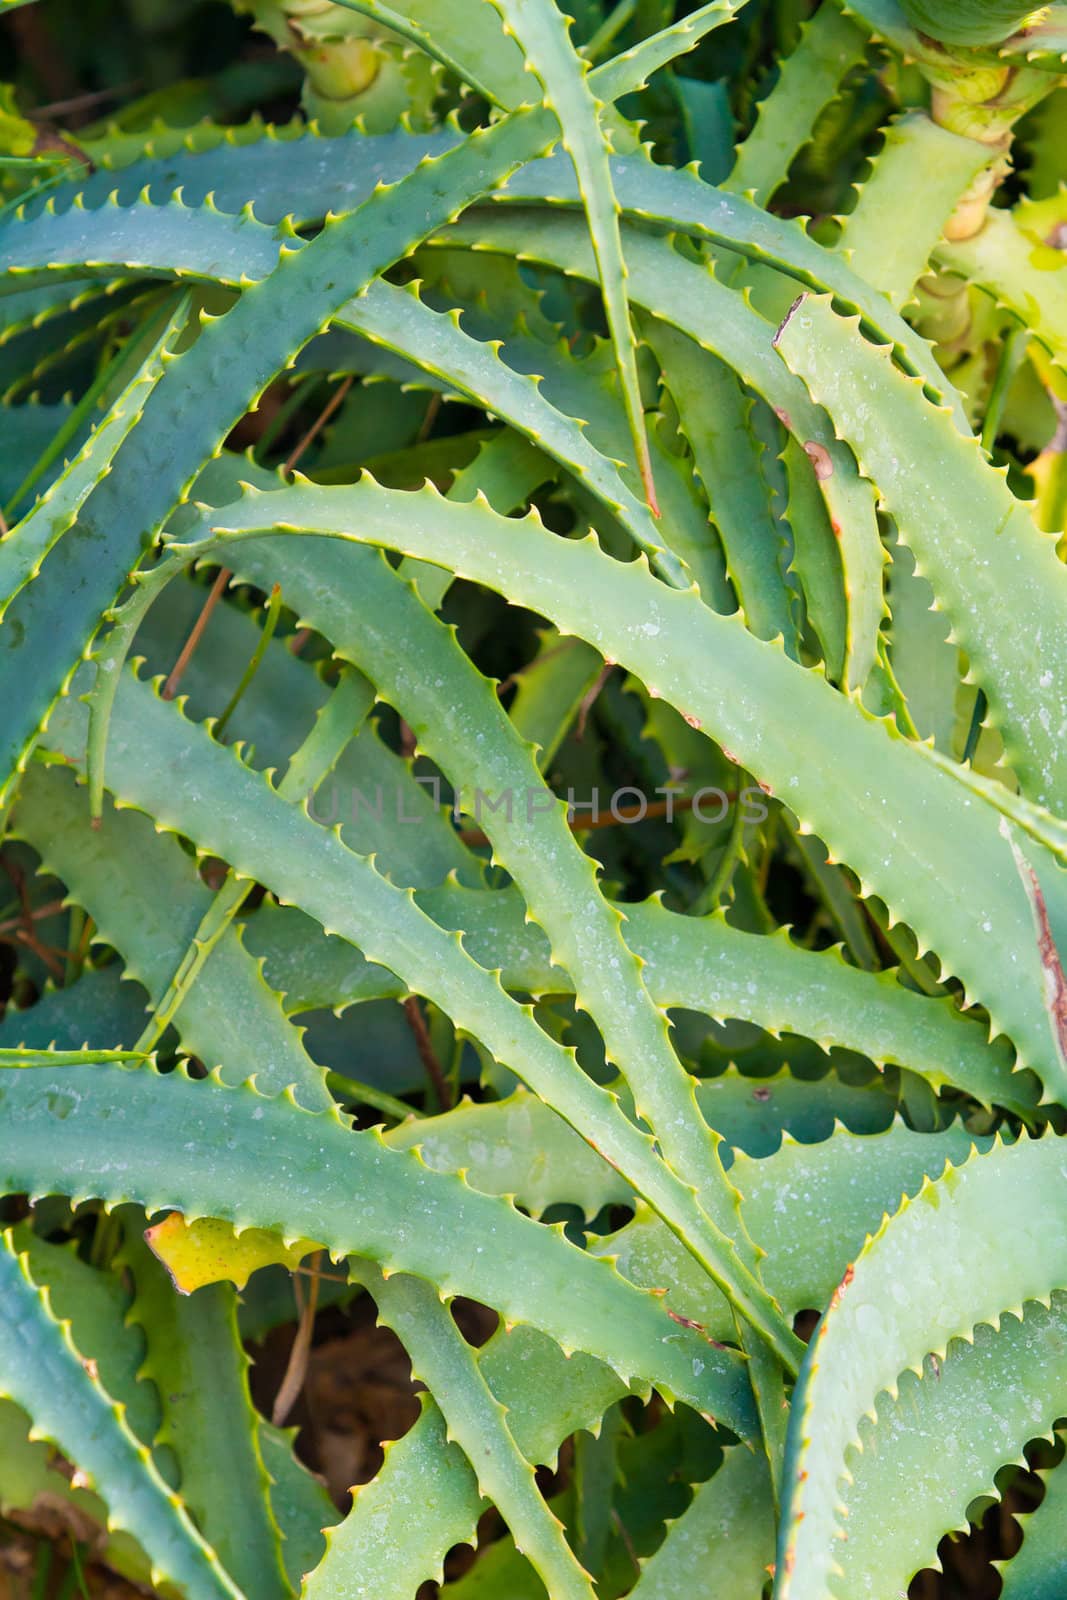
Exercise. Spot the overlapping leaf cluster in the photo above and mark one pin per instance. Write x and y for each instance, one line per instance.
(533, 646)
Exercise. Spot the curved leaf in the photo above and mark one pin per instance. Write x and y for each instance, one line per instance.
(910, 1291)
(42, 1371)
(724, 672)
(297, 1174)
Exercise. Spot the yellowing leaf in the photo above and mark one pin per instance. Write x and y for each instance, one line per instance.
(208, 1250)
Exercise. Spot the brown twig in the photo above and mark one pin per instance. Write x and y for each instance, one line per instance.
(196, 633)
(80, 102)
(323, 1277)
(52, 909)
(317, 426)
(589, 699)
(170, 688)
(426, 426)
(54, 959)
(296, 1370)
(424, 1045)
(18, 883)
(624, 1534)
(517, 676)
(25, 934)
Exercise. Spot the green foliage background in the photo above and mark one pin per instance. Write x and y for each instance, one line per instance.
(415, 418)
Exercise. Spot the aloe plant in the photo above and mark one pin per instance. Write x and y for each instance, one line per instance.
(533, 771)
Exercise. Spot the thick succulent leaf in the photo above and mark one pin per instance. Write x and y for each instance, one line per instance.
(475, 1418)
(727, 1534)
(1048, 830)
(966, 22)
(312, 761)
(382, 627)
(916, 149)
(422, 853)
(297, 1173)
(426, 1485)
(147, 900)
(809, 1206)
(429, 308)
(726, 671)
(1038, 1570)
(225, 370)
(550, 692)
(686, 295)
(477, 1421)
(209, 1251)
(830, 45)
(309, 177)
(22, 554)
(22, 1056)
(936, 1446)
(94, 1303)
(1021, 270)
(274, 340)
(42, 1371)
(30, 428)
(699, 964)
(817, 563)
(447, 32)
(207, 243)
(543, 34)
(911, 1291)
(301, 1505)
(715, 415)
(703, 965)
(677, 199)
(233, 813)
(195, 1360)
(31, 1475)
(925, 663)
(519, 1147)
(925, 470)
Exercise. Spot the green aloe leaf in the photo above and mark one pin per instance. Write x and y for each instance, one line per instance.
(1037, 1571)
(1023, 1360)
(296, 1176)
(1021, 270)
(927, 471)
(727, 1532)
(542, 32)
(419, 669)
(477, 1421)
(872, 1333)
(62, 607)
(42, 1371)
(967, 22)
(386, 924)
(426, 1484)
(688, 296)
(147, 899)
(633, 615)
(200, 1372)
(916, 148)
(830, 45)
